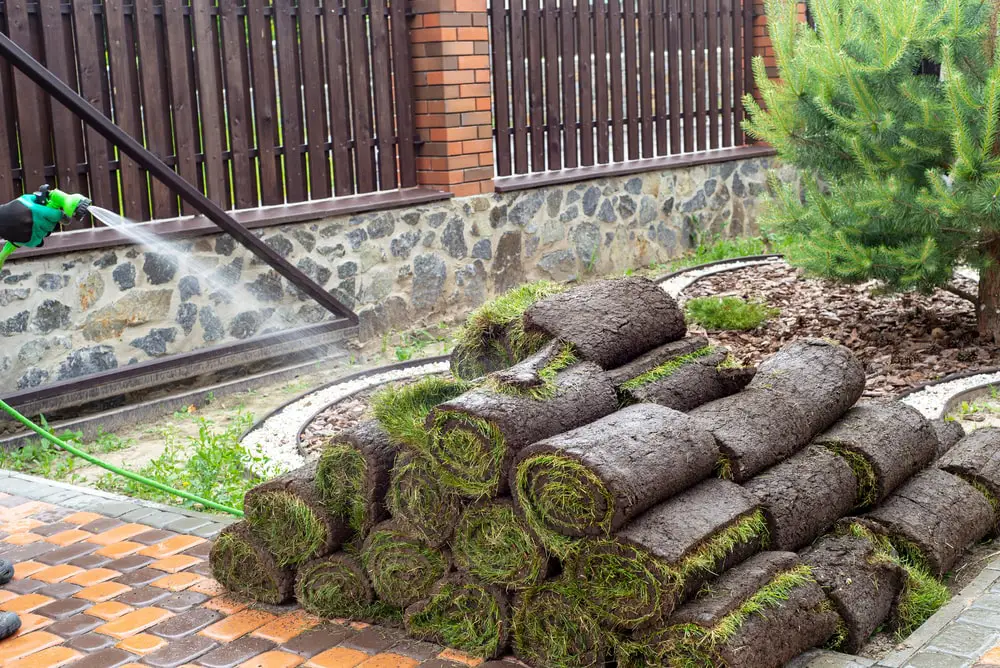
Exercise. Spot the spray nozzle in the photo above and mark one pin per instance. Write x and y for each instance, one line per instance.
(72, 205)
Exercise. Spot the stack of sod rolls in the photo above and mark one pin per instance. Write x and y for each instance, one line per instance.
(612, 490)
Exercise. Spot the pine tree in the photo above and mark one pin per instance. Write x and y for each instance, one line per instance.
(891, 111)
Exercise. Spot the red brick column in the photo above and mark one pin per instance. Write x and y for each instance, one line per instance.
(451, 79)
(762, 45)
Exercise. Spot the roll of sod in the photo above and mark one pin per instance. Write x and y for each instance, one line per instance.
(242, 565)
(937, 514)
(948, 432)
(552, 628)
(644, 570)
(336, 587)
(478, 434)
(402, 410)
(465, 613)
(493, 337)
(976, 459)
(401, 568)
(535, 376)
(886, 442)
(690, 381)
(592, 480)
(493, 542)
(609, 322)
(760, 615)
(656, 357)
(352, 477)
(287, 515)
(862, 584)
(824, 378)
(419, 503)
(804, 496)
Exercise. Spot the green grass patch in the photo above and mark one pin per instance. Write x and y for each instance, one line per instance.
(556, 492)
(417, 497)
(724, 468)
(336, 588)
(42, 458)
(716, 249)
(401, 569)
(565, 358)
(469, 453)
(727, 313)
(863, 470)
(238, 567)
(403, 409)
(463, 616)
(288, 527)
(340, 483)
(668, 368)
(552, 628)
(493, 543)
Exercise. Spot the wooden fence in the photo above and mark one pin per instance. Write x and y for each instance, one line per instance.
(259, 102)
(585, 82)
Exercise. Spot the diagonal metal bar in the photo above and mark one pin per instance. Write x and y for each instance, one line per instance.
(52, 85)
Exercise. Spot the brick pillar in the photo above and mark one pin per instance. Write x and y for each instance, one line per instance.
(451, 79)
(762, 45)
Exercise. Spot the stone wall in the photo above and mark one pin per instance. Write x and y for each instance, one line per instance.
(64, 317)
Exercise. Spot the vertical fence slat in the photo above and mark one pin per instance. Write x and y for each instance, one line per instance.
(501, 87)
(8, 134)
(569, 83)
(360, 74)
(615, 65)
(645, 76)
(738, 90)
(264, 101)
(126, 114)
(687, 74)
(660, 76)
(289, 89)
(404, 93)
(33, 127)
(518, 92)
(631, 80)
(340, 123)
(601, 77)
(584, 11)
(209, 89)
(90, 60)
(234, 57)
(58, 45)
(536, 92)
(713, 73)
(184, 111)
(700, 75)
(748, 83)
(313, 80)
(381, 65)
(727, 72)
(674, 74)
(552, 113)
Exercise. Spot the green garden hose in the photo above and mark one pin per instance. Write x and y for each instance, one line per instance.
(55, 440)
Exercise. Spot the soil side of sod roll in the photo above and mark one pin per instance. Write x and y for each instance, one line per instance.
(493, 542)
(592, 480)
(692, 384)
(938, 513)
(641, 573)
(949, 432)
(242, 565)
(862, 586)
(894, 440)
(480, 432)
(465, 613)
(609, 322)
(552, 628)
(804, 496)
(336, 587)
(976, 458)
(401, 569)
(418, 501)
(289, 517)
(352, 476)
(658, 356)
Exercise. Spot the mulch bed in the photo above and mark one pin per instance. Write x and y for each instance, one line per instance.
(902, 339)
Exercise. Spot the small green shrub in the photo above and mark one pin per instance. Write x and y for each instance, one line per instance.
(728, 313)
(43, 459)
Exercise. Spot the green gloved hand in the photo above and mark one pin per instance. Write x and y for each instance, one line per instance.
(25, 222)
(44, 220)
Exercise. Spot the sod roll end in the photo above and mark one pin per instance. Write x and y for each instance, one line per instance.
(402, 569)
(552, 628)
(419, 502)
(493, 542)
(336, 587)
(242, 565)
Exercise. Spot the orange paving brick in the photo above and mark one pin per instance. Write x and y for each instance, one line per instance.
(209, 587)
(460, 657)
(171, 546)
(389, 660)
(177, 581)
(238, 625)
(32, 622)
(118, 534)
(21, 646)
(119, 550)
(104, 591)
(991, 658)
(57, 573)
(109, 610)
(134, 622)
(68, 537)
(357, 626)
(177, 562)
(7, 595)
(81, 518)
(273, 659)
(93, 576)
(224, 604)
(338, 657)
(22, 538)
(53, 657)
(27, 509)
(142, 644)
(286, 627)
(25, 603)
(25, 568)
(17, 526)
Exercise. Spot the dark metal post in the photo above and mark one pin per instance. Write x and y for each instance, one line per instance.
(52, 85)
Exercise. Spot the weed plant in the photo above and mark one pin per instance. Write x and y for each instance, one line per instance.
(728, 313)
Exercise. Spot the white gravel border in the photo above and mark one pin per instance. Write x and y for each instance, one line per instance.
(276, 437)
(678, 284)
(933, 400)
